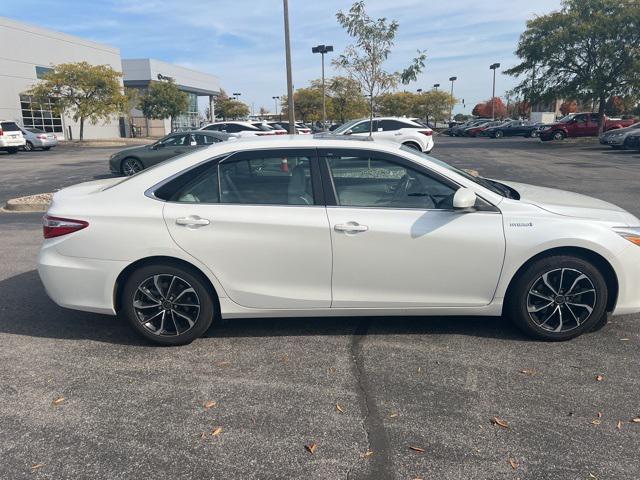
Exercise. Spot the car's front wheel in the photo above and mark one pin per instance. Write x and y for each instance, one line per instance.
(558, 298)
(167, 304)
(559, 135)
(498, 134)
(131, 166)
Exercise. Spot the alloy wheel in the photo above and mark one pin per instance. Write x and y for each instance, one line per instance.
(561, 300)
(28, 146)
(166, 305)
(131, 166)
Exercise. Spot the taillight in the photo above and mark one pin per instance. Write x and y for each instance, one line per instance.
(428, 133)
(56, 226)
(1, 132)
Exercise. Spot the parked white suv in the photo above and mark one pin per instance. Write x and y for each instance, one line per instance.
(11, 138)
(241, 129)
(400, 130)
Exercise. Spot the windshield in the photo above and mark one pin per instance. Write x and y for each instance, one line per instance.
(495, 187)
(346, 126)
(263, 126)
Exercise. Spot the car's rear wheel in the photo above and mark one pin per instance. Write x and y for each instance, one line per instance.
(413, 145)
(558, 298)
(131, 166)
(46, 148)
(167, 304)
(28, 146)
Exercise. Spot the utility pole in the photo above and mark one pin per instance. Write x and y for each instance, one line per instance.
(322, 49)
(287, 47)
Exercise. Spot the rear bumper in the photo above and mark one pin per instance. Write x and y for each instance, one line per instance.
(11, 142)
(79, 283)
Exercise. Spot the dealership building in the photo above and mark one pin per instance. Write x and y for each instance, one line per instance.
(30, 52)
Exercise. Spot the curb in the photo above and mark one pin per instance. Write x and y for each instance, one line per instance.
(31, 203)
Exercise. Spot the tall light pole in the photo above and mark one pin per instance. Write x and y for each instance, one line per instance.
(451, 79)
(322, 49)
(236, 95)
(435, 86)
(494, 67)
(287, 48)
(275, 100)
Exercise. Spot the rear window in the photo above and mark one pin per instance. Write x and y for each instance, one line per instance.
(10, 127)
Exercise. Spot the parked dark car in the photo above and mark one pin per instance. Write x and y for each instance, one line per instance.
(515, 128)
(632, 142)
(134, 159)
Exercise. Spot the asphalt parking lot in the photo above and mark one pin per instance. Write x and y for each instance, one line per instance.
(380, 398)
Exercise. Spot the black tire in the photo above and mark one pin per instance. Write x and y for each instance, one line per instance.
(46, 148)
(559, 135)
(28, 147)
(564, 319)
(534, 134)
(498, 134)
(130, 166)
(12, 150)
(172, 279)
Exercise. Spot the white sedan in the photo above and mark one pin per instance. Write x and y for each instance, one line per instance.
(304, 226)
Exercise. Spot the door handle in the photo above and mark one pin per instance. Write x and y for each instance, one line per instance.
(350, 227)
(192, 221)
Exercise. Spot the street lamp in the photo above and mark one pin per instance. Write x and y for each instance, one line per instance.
(322, 49)
(494, 67)
(436, 85)
(451, 79)
(287, 49)
(275, 100)
(236, 95)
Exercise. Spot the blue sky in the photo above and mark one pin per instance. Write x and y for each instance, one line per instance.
(241, 41)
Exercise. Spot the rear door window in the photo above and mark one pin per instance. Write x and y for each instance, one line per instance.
(10, 127)
(391, 125)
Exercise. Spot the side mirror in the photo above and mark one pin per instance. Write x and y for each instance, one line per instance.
(464, 199)
(348, 132)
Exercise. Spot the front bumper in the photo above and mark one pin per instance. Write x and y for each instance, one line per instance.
(612, 140)
(78, 283)
(628, 271)
(114, 165)
(44, 143)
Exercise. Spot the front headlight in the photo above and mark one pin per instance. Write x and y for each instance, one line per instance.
(630, 233)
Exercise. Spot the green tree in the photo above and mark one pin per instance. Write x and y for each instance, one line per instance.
(364, 60)
(83, 91)
(345, 100)
(433, 105)
(164, 100)
(397, 104)
(588, 49)
(235, 109)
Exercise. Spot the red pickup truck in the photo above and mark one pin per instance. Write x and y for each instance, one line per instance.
(580, 125)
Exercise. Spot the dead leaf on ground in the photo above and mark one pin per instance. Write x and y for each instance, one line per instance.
(368, 453)
(223, 363)
(311, 448)
(599, 414)
(528, 371)
(599, 378)
(419, 369)
(499, 422)
(619, 425)
(596, 422)
(513, 463)
(202, 435)
(37, 466)
(58, 400)
(635, 420)
(624, 339)
(339, 408)
(209, 404)
(393, 415)
(216, 431)
(417, 449)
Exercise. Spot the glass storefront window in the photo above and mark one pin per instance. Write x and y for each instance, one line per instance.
(40, 116)
(190, 118)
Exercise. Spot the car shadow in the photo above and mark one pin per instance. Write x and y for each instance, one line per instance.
(26, 310)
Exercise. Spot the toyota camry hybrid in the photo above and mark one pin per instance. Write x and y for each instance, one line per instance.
(304, 226)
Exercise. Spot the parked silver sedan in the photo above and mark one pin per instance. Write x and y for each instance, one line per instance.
(616, 138)
(38, 139)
